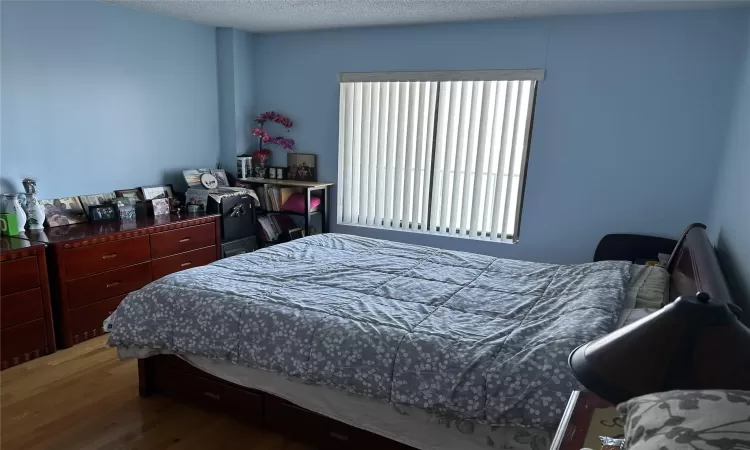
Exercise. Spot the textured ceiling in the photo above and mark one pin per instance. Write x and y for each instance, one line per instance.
(267, 16)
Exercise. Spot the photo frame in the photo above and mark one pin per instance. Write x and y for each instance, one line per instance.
(96, 199)
(98, 213)
(221, 177)
(63, 211)
(157, 191)
(193, 176)
(302, 167)
(161, 206)
(134, 194)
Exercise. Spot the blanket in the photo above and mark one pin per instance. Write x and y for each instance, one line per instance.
(464, 335)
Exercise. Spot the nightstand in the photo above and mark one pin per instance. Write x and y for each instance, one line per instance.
(587, 417)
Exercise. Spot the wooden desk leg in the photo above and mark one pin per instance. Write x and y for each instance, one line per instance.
(324, 200)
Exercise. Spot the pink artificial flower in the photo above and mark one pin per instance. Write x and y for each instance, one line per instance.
(261, 133)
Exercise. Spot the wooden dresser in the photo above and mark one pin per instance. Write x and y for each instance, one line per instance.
(25, 309)
(93, 266)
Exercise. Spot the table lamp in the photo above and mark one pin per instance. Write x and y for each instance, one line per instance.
(691, 343)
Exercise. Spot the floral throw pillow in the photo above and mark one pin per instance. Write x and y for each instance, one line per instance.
(695, 420)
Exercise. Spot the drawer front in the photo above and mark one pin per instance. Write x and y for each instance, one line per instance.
(86, 322)
(21, 307)
(84, 291)
(83, 261)
(165, 266)
(210, 394)
(319, 430)
(19, 275)
(182, 240)
(22, 343)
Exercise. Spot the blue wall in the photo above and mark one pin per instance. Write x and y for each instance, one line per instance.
(628, 125)
(236, 62)
(730, 225)
(97, 97)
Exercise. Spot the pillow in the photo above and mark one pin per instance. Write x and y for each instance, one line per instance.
(703, 420)
(648, 283)
(296, 203)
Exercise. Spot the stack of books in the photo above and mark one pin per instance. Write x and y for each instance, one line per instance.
(272, 198)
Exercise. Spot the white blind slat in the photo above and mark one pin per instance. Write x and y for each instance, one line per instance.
(499, 184)
(403, 124)
(382, 153)
(480, 163)
(356, 150)
(440, 155)
(411, 150)
(421, 132)
(471, 155)
(390, 181)
(454, 111)
(364, 159)
(428, 154)
(373, 149)
(460, 160)
(512, 164)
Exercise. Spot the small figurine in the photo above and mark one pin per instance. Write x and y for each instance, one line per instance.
(34, 210)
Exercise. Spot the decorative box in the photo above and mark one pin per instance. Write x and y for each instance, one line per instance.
(9, 224)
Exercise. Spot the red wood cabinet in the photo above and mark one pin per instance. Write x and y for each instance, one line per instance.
(25, 310)
(93, 266)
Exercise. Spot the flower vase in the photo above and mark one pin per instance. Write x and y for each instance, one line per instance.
(11, 205)
(35, 212)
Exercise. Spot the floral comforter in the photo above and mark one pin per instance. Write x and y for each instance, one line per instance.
(472, 336)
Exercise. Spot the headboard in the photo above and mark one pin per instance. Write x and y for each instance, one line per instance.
(694, 267)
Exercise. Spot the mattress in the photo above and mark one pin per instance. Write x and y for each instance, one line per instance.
(462, 336)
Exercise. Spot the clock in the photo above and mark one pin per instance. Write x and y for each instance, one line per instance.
(209, 181)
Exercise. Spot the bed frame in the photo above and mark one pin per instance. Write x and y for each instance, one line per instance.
(693, 267)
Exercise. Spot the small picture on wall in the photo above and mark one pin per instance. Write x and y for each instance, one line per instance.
(63, 211)
(96, 199)
(161, 206)
(301, 167)
(158, 191)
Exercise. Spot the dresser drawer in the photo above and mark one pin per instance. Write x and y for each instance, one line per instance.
(209, 394)
(165, 266)
(86, 321)
(83, 261)
(21, 307)
(182, 240)
(19, 275)
(24, 342)
(84, 291)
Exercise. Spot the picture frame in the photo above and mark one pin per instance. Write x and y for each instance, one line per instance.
(126, 211)
(193, 176)
(221, 177)
(99, 213)
(157, 191)
(302, 167)
(161, 206)
(134, 194)
(96, 199)
(244, 166)
(63, 211)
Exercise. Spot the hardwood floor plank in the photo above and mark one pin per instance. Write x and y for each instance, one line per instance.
(84, 398)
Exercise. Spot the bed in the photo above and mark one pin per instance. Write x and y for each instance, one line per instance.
(354, 342)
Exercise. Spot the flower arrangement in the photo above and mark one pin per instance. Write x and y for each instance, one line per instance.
(265, 138)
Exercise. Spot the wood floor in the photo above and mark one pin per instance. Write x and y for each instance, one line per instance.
(85, 398)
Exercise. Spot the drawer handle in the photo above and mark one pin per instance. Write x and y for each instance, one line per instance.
(212, 396)
(338, 436)
(111, 255)
(185, 239)
(185, 264)
(114, 283)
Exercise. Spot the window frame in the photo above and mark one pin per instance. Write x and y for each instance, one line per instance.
(452, 76)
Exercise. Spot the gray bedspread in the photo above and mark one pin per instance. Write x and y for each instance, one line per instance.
(460, 334)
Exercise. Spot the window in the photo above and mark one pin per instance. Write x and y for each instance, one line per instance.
(435, 152)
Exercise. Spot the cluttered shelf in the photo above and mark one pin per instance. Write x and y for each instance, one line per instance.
(292, 183)
(259, 211)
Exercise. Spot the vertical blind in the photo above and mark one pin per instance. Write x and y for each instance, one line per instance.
(440, 152)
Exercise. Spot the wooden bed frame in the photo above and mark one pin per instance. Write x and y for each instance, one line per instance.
(693, 267)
